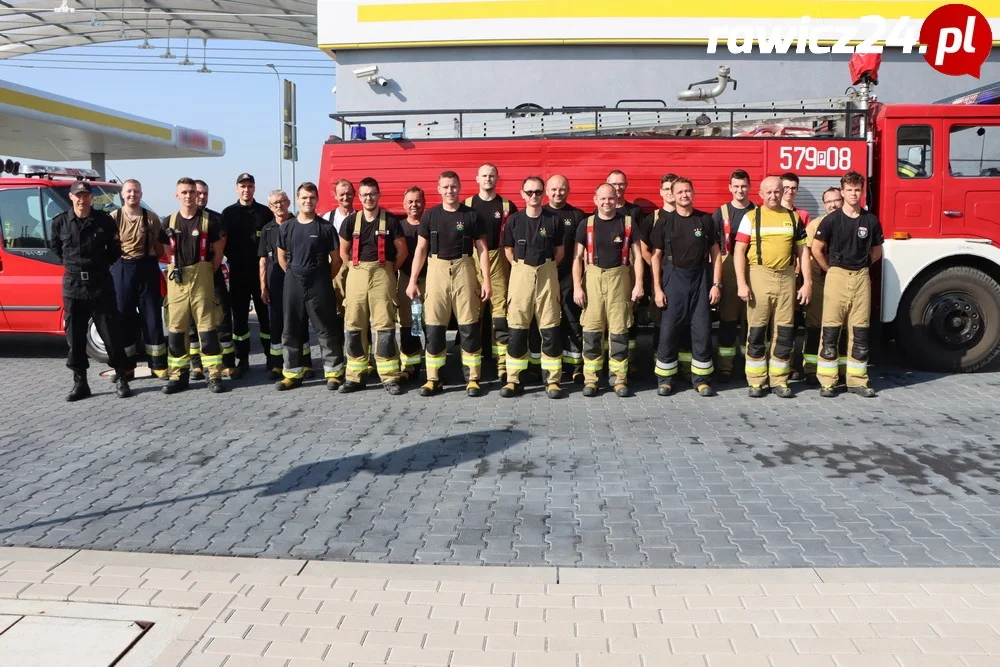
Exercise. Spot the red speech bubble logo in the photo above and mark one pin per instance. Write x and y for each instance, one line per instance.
(956, 40)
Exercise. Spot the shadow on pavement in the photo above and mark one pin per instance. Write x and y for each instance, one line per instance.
(416, 458)
(420, 457)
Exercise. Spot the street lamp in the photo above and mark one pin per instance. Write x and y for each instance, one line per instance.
(281, 185)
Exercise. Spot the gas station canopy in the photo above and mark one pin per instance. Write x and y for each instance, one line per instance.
(51, 127)
(32, 26)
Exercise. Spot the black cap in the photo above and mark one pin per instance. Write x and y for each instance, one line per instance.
(80, 186)
(245, 177)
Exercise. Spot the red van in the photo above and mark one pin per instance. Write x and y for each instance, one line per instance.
(30, 273)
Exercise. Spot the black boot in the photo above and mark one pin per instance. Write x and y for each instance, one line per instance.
(80, 388)
(121, 386)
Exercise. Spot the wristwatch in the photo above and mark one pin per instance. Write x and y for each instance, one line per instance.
(719, 285)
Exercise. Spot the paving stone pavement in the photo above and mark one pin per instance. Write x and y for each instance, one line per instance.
(256, 612)
(908, 479)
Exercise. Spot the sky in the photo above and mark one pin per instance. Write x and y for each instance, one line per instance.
(242, 108)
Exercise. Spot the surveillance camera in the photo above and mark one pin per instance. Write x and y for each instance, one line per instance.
(381, 81)
(366, 72)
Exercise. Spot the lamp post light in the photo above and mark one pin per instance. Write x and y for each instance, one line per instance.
(281, 185)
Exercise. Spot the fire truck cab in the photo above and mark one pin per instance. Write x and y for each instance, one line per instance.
(933, 175)
(30, 274)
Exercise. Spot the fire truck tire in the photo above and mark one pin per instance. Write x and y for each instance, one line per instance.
(950, 321)
(96, 349)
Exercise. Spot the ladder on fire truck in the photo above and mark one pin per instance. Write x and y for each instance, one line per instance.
(829, 117)
(819, 117)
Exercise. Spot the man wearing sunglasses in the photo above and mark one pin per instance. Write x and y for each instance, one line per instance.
(533, 243)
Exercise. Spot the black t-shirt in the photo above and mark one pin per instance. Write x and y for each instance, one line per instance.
(690, 238)
(268, 247)
(735, 215)
(649, 223)
(456, 230)
(848, 239)
(308, 245)
(533, 239)
(410, 234)
(367, 242)
(491, 216)
(187, 235)
(609, 236)
(570, 217)
(243, 225)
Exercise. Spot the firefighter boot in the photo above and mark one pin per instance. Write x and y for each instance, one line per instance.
(121, 386)
(81, 389)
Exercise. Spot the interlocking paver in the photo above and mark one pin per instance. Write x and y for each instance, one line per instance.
(906, 480)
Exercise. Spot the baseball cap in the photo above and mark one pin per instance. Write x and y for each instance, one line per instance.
(80, 186)
(245, 177)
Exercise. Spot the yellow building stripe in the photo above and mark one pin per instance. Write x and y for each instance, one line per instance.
(646, 9)
(56, 108)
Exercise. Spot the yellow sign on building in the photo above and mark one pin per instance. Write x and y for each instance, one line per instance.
(359, 24)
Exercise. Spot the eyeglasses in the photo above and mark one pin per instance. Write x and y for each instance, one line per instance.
(278, 204)
(533, 193)
(370, 195)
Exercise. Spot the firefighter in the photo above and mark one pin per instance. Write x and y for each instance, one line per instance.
(223, 312)
(244, 221)
(769, 238)
(685, 249)
(446, 238)
(372, 242)
(411, 350)
(557, 189)
(847, 242)
(197, 239)
(789, 191)
(649, 224)
(732, 311)
(272, 281)
(308, 253)
(344, 191)
(494, 212)
(533, 243)
(619, 181)
(832, 200)
(85, 240)
(137, 280)
(606, 244)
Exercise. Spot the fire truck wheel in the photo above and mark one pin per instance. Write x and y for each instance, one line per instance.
(96, 349)
(950, 321)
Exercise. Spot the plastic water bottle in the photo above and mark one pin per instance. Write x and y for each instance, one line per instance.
(417, 317)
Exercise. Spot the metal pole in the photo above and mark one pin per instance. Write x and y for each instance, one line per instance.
(281, 135)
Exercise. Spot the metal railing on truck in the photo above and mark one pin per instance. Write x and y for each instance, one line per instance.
(828, 117)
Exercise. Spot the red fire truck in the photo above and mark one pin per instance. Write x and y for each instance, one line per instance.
(30, 273)
(933, 173)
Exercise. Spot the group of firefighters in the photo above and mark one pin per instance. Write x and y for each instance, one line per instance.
(561, 287)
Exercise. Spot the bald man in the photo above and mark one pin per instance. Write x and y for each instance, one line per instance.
(769, 238)
(557, 191)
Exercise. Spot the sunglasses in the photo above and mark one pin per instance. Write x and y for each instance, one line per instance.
(533, 193)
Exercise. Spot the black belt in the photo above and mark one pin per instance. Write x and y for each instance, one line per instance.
(84, 276)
